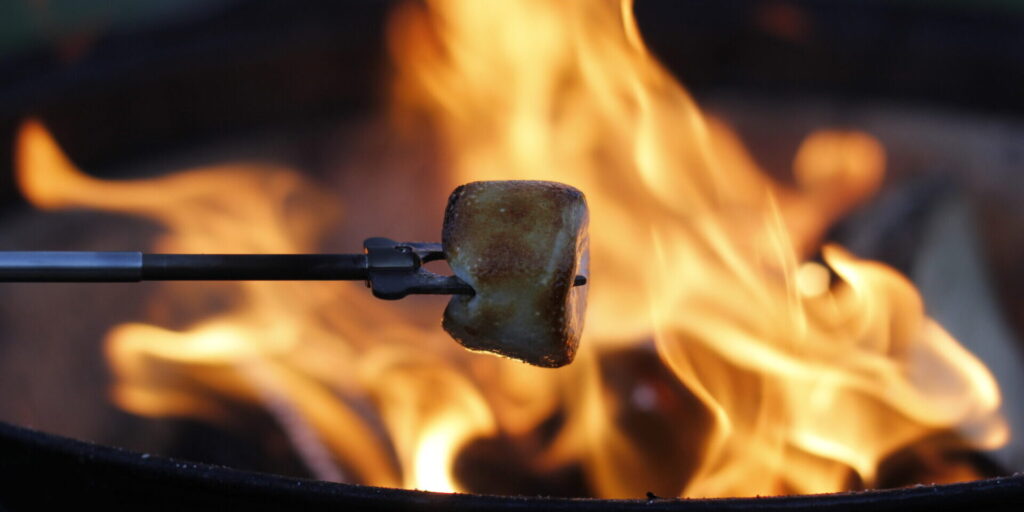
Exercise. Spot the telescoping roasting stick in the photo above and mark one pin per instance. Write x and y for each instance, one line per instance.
(391, 269)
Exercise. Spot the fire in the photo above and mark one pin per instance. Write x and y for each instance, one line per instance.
(803, 375)
(695, 246)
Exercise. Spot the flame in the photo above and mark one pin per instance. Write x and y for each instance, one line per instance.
(281, 345)
(776, 374)
(693, 245)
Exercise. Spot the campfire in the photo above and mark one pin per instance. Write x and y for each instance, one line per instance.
(731, 348)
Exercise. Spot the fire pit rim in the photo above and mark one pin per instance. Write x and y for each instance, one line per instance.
(95, 474)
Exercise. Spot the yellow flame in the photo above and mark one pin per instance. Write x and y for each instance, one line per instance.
(803, 376)
(279, 341)
(694, 245)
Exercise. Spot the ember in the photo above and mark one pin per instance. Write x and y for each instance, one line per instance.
(765, 372)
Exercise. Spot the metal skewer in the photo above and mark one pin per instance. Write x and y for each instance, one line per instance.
(391, 269)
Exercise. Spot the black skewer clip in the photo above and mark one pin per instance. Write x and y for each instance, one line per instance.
(395, 269)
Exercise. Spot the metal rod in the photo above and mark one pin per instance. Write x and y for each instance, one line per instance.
(254, 267)
(50, 266)
(391, 269)
(47, 266)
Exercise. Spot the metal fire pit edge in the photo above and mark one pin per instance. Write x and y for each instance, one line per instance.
(39, 469)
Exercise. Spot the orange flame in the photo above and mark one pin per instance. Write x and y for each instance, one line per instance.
(694, 245)
(803, 374)
(283, 345)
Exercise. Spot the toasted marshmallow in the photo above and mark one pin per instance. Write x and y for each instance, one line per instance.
(520, 245)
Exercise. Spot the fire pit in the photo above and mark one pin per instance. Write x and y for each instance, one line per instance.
(731, 351)
(111, 477)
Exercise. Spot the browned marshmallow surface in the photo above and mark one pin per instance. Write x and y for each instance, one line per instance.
(519, 244)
